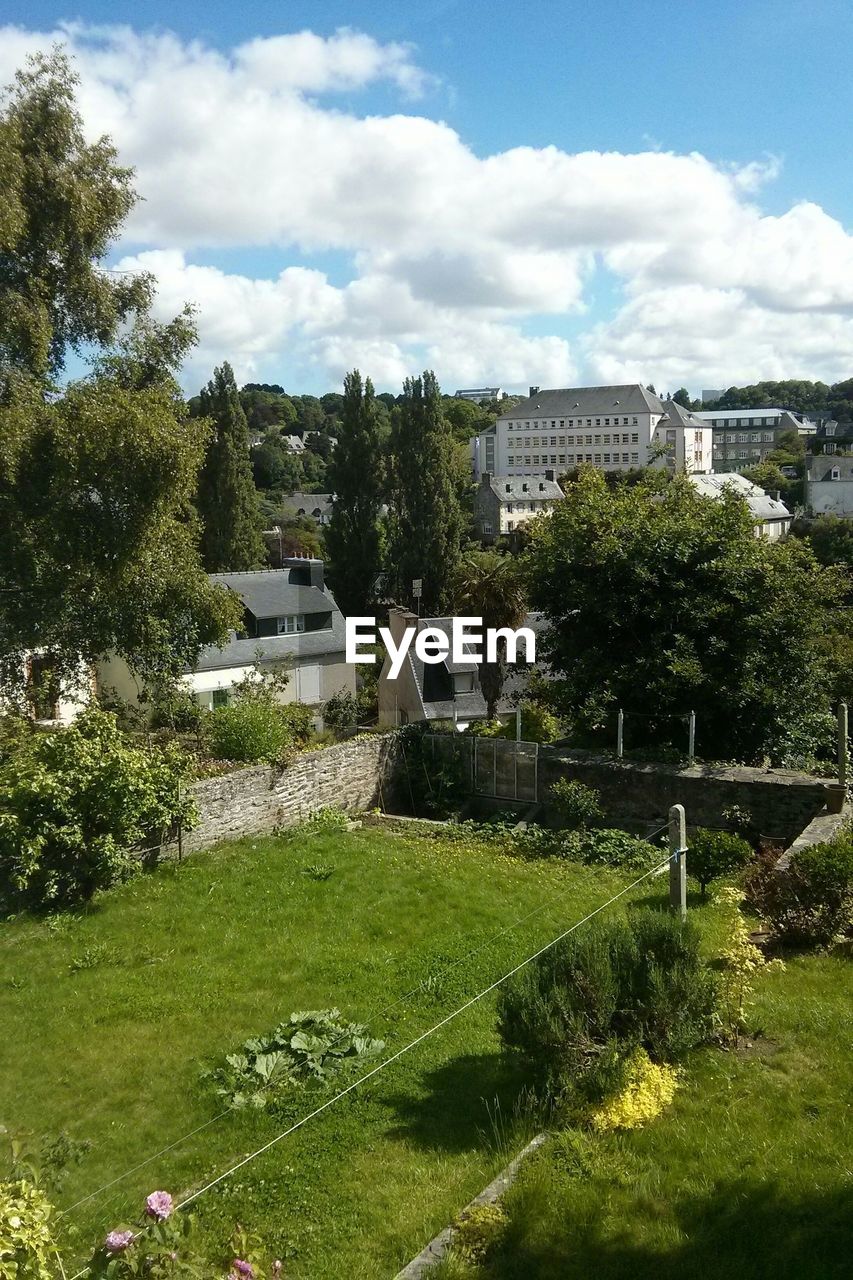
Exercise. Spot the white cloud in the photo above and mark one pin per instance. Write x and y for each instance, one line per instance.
(452, 254)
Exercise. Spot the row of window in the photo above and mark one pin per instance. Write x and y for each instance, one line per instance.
(535, 441)
(747, 437)
(569, 459)
(537, 425)
(745, 422)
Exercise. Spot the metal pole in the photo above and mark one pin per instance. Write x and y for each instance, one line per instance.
(678, 860)
(620, 733)
(518, 724)
(843, 757)
(691, 737)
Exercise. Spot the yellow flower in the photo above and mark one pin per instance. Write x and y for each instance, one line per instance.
(649, 1088)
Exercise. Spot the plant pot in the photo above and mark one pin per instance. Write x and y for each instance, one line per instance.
(836, 794)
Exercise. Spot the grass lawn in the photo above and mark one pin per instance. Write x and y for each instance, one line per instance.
(748, 1176)
(109, 1016)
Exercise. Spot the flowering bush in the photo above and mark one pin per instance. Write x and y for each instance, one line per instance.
(477, 1231)
(741, 959)
(648, 1088)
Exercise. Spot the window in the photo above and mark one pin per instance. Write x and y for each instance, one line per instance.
(597, 440)
(625, 457)
(597, 458)
(291, 624)
(635, 457)
(625, 439)
(633, 421)
(463, 682)
(487, 527)
(553, 440)
(606, 457)
(635, 437)
(536, 459)
(511, 459)
(219, 698)
(835, 473)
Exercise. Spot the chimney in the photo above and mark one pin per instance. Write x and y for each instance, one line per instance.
(541, 487)
(534, 391)
(486, 478)
(315, 569)
(549, 475)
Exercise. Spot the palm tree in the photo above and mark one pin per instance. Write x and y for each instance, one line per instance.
(490, 586)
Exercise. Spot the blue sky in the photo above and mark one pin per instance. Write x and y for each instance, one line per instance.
(739, 84)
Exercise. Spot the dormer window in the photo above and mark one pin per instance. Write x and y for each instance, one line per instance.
(290, 625)
(835, 473)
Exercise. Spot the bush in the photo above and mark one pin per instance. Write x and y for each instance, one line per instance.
(74, 803)
(647, 1088)
(712, 854)
(581, 1009)
(299, 720)
(577, 804)
(249, 730)
(477, 1231)
(810, 902)
(27, 1249)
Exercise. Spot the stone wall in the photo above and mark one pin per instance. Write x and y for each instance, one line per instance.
(782, 803)
(352, 775)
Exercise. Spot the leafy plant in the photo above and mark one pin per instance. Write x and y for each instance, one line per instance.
(313, 1045)
(27, 1247)
(647, 1088)
(577, 804)
(582, 1008)
(478, 1230)
(92, 956)
(75, 803)
(741, 960)
(713, 854)
(810, 901)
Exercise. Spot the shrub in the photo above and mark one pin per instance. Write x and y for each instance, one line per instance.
(713, 854)
(741, 959)
(299, 720)
(74, 803)
(251, 731)
(27, 1249)
(609, 846)
(577, 804)
(309, 1046)
(477, 1231)
(579, 1010)
(809, 902)
(646, 1089)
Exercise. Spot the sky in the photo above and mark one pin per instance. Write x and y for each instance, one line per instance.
(558, 193)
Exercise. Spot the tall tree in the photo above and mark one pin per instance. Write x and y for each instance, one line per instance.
(227, 498)
(427, 520)
(355, 477)
(98, 539)
(490, 586)
(666, 602)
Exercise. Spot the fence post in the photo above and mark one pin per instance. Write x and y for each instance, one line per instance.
(620, 733)
(678, 860)
(843, 757)
(691, 737)
(518, 724)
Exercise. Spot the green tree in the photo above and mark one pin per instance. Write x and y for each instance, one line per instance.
(490, 586)
(355, 475)
(426, 517)
(227, 498)
(98, 540)
(662, 603)
(682, 397)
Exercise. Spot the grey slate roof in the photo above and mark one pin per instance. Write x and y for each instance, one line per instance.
(309, 502)
(567, 402)
(819, 467)
(435, 686)
(681, 417)
(268, 594)
(525, 488)
(764, 509)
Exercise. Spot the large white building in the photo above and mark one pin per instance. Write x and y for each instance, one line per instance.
(615, 428)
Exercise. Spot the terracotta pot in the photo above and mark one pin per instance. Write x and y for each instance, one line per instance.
(836, 794)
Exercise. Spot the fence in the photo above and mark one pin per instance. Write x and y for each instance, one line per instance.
(497, 767)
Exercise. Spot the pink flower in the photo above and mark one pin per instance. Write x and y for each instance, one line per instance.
(159, 1205)
(118, 1241)
(241, 1268)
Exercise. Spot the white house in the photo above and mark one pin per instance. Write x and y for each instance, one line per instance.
(502, 504)
(829, 485)
(289, 616)
(771, 517)
(743, 437)
(49, 700)
(614, 428)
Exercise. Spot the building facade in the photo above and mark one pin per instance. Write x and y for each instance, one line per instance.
(502, 504)
(479, 393)
(770, 517)
(743, 437)
(829, 485)
(614, 428)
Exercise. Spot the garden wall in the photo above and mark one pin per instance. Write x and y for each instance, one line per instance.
(352, 775)
(781, 802)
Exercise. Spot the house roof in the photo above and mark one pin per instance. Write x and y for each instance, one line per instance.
(309, 502)
(681, 417)
(567, 402)
(524, 488)
(764, 509)
(820, 467)
(435, 685)
(269, 593)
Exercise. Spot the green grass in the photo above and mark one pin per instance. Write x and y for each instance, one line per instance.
(749, 1176)
(108, 1018)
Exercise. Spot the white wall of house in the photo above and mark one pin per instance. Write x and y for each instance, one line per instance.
(74, 695)
(527, 446)
(830, 497)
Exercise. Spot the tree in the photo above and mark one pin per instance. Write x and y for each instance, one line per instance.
(662, 603)
(355, 473)
(98, 539)
(274, 466)
(682, 397)
(426, 518)
(490, 586)
(227, 497)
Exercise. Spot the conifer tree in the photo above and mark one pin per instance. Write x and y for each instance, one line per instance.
(355, 476)
(227, 498)
(427, 519)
